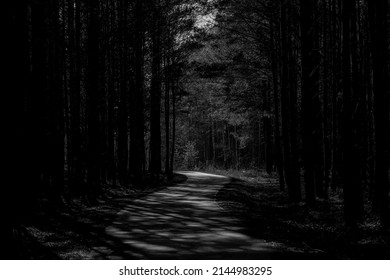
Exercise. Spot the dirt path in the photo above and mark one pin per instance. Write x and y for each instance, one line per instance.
(185, 222)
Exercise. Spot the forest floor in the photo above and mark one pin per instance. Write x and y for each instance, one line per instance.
(255, 198)
(170, 221)
(261, 212)
(76, 229)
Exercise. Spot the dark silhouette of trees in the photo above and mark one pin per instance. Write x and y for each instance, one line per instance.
(81, 75)
(113, 92)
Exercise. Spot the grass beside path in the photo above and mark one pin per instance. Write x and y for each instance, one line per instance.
(255, 197)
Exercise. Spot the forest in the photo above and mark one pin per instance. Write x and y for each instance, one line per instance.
(103, 94)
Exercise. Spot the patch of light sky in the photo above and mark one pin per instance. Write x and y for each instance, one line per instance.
(205, 21)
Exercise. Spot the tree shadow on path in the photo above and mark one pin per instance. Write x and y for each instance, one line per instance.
(185, 222)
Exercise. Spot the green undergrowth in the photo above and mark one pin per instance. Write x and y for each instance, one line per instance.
(256, 198)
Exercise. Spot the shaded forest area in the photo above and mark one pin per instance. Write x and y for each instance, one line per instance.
(92, 89)
(300, 88)
(117, 93)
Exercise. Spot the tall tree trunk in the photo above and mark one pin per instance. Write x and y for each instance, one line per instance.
(350, 175)
(336, 40)
(213, 140)
(123, 114)
(167, 111)
(294, 120)
(155, 93)
(173, 125)
(378, 15)
(39, 109)
(268, 136)
(137, 142)
(286, 106)
(93, 92)
(276, 99)
(56, 143)
(311, 104)
(20, 155)
(325, 81)
(76, 182)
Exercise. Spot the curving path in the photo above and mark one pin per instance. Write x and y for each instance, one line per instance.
(185, 222)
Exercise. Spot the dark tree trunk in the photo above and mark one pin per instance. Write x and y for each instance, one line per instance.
(155, 93)
(75, 160)
(173, 125)
(39, 82)
(351, 170)
(311, 105)
(268, 136)
(336, 40)
(167, 111)
(20, 153)
(293, 184)
(326, 103)
(123, 114)
(93, 92)
(276, 99)
(137, 143)
(55, 148)
(378, 15)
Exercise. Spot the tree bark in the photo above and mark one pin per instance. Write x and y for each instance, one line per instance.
(155, 93)
(350, 175)
(311, 105)
(137, 142)
(378, 15)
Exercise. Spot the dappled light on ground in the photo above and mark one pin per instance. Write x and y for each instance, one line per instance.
(185, 222)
